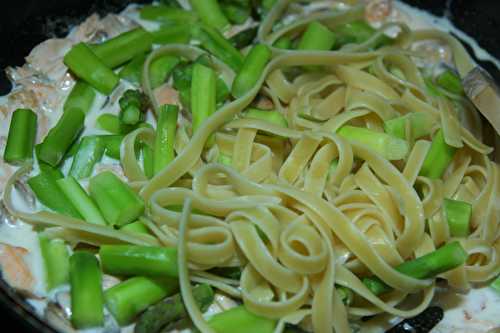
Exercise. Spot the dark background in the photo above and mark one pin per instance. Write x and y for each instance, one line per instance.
(25, 23)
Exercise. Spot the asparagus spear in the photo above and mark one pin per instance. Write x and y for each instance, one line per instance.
(165, 136)
(129, 298)
(214, 42)
(118, 203)
(21, 138)
(171, 310)
(438, 158)
(81, 97)
(160, 68)
(359, 32)
(133, 107)
(172, 34)
(111, 123)
(496, 284)
(89, 67)
(48, 192)
(203, 89)
(87, 306)
(386, 145)
(81, 200)
(273, 117)
(420, 124)
(446, 258)
(450, 82)
(148, 160)
(56, 261)
(130, 260)
(210, 13)
(252, 68)
(124, 47)
(168, 15)
(317, 37)
(239, 319)
(61, 137)
(457, 214)
(112, 145)
(235, 13)
(136, 227)
(89, 152)
(132, 71)
(283, 43)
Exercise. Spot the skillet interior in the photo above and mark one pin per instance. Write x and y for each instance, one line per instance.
(25, 23)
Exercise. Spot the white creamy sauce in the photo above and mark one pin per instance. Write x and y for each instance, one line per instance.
(420, 19)
(477, 311)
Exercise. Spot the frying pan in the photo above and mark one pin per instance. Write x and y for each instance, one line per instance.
(25, 23)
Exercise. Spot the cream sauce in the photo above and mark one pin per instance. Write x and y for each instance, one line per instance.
(476, 311)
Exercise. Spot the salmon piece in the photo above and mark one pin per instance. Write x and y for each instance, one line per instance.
(165, 94)
(378, 10)
(14, 269)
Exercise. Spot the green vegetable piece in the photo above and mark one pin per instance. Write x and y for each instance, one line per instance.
(267, 5)
(136, 227)
(87, 306)
(165, 137)
(457, 214)
(112, 144)
(244, 38)
(168, 14)
(317, 37)
(131, 260)
(225, 160)
(132, 71)
(446, 258)
(124, 47)
(133, 107)
(81, 97)
(386, 145)
(89, 67)
(111, 123)
(203, 91)
(420, 124)
(148, 160)
(215, 43)
(451, 82)
(55, 256)
(251, 71)
(89, 152)
(160, 69)
(271, 116)
(48, 192)
(346, 294)
(210, 13)
(60, 137)
(172, 34)
(21, 138)
(171, 310)
(81, 200)
(240, 320)
(129, 298)
(118, 203)
(236, 14)
(438, 158)
(358, 32)
(283, 43)
(496, 284)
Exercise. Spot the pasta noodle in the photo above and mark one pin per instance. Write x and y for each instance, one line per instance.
(298, 229)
